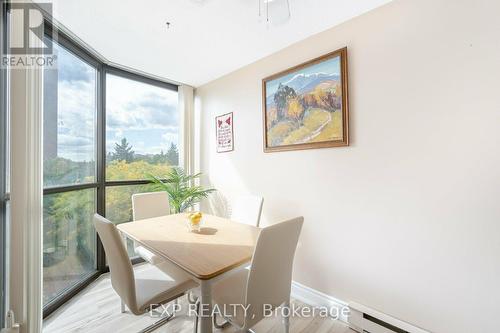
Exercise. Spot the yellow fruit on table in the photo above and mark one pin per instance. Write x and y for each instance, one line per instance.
(195, 215)
(195, 218)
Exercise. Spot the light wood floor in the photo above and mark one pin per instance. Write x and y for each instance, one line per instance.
(97, 309)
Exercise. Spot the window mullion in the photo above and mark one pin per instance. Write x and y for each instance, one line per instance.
(101, 159)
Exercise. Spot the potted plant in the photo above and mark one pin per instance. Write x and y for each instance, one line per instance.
(182, 192)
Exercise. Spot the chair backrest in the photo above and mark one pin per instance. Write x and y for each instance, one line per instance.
(247, 209)
(149, 205)
(270, 277)
(122, 273)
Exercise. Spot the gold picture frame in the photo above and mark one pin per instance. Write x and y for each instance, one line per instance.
(306, 106)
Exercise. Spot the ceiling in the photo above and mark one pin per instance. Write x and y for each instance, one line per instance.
(206, 38)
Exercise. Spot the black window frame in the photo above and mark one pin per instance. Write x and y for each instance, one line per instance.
(100, 183)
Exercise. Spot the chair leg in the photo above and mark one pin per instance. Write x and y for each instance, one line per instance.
(196, 316)
(217, 325)
(123, 309)
(157, 324)
(162, 321)
(176, 305)
(191, 298)
(286, 319)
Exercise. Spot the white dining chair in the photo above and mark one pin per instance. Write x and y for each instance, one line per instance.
(268, 282)
(149, 205)
(146, 206)
(140, 290)
(247, 209)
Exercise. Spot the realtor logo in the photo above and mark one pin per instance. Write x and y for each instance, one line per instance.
(30, 40)
(27, 47)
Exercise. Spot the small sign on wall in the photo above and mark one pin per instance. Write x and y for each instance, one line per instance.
(224, 132)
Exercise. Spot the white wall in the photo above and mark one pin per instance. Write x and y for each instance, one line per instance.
(407, 219)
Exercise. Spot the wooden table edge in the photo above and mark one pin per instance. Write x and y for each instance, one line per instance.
(197, 276)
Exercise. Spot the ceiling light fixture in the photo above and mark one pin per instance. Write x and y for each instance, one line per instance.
(274, 11)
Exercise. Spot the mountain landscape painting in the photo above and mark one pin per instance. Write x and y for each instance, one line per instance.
(306, 106)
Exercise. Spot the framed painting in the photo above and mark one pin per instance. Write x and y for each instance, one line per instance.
(224, 132)
(306, 106)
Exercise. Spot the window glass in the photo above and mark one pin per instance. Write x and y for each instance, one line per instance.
(119, 205)
(142, 138)
(142, 129)
(69, 117)
(69, 151)
(69, 240)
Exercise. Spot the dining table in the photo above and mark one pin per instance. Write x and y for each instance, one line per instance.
(216, 250)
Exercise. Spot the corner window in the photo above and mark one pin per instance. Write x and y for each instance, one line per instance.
(69, 162)
(142, 129)
(104, 131)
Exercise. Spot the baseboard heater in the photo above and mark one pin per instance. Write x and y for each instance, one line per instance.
(366, 320)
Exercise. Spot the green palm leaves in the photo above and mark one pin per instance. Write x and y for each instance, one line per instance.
(181, 190)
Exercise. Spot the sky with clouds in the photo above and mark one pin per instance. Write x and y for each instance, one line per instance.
(144, 114)
(330, 66)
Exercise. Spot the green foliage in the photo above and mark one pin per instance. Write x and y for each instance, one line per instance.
(68, 218)
(160, 158)
(281, 97)
(68, 215)
(119, 201)
(121, 170)
(182, 194)
(123, 152)
(59, 170)
(118, 198)
(172, 156)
